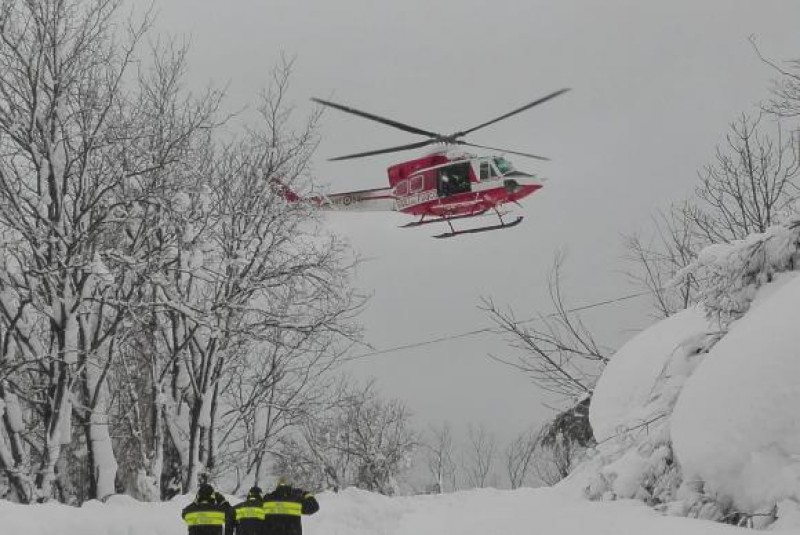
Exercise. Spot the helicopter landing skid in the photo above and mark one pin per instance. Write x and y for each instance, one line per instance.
(501, 226)
(441, 219)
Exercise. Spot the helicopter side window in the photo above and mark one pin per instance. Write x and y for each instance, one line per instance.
(415, 184)
(453, 179)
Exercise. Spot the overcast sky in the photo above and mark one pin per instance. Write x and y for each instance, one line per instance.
(654, 86)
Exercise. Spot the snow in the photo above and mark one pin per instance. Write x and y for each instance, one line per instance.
(105, 464)
(736, 424)
(622, 396)
(205, 409)
(697, 414)
(13, 413)
(64, 432)
(100, 270)
(630, 413)
(356, 512)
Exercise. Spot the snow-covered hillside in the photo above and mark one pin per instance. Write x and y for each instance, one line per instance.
(697, 415)
(354, 512)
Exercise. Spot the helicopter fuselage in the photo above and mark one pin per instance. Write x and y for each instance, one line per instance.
(439, 185)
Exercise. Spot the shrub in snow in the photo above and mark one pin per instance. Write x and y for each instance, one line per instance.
(571, 425)
(563, 442)
(730, 274)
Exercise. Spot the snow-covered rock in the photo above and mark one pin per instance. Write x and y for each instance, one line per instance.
(736, 424)
(697, 414)
(629, 391)
(631, 408)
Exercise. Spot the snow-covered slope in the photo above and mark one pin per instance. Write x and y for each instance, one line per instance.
(355, 512)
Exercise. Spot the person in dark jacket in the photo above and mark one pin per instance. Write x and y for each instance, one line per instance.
(284, 506)
(208, 514)
(248, 516)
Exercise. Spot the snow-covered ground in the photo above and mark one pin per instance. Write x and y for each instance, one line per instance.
(549, 511)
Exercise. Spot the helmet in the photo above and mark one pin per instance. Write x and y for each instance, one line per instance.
(254, 493)
(283, 481)
(205, 492)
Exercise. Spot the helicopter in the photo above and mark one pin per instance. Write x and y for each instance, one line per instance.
(443, 186)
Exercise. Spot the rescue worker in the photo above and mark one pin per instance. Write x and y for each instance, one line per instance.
(284, 506)
(209, 513)
(248, 516)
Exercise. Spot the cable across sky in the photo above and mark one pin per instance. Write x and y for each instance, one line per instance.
(474, 332)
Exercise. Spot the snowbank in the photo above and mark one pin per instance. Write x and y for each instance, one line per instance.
(736, 425)
(354, 512)
(120, 515)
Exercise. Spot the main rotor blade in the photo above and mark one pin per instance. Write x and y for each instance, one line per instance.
(384, 151)
(518, 110)
(383, 120)
(503, 150)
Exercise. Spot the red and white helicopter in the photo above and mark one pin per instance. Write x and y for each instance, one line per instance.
(443, 186)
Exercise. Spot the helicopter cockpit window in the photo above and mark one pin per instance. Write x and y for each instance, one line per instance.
(487, 171)
(503, 165)
(453, 179)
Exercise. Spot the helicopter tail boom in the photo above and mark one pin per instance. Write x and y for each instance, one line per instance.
(367, 200)
(370, 200)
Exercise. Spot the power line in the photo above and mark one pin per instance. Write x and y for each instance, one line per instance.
(466, 334)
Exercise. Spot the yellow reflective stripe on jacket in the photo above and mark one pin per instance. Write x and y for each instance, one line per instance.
(205, 518)
(249, 512)
(283, 508)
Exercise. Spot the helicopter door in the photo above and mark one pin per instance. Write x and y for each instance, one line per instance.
(453, 179)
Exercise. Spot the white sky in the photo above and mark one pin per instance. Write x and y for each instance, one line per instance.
(654, 85)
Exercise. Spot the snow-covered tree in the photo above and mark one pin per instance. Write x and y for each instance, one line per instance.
(750, 183)
(519, 456)
(439, 457)
(256, 285)
(656, 259)
(81, 149)
(361, 440)
(480, 456)
(748, 187)
(785, 100)
(147, 263)
(556, 351)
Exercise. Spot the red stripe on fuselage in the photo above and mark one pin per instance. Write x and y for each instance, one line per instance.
(466, 203)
